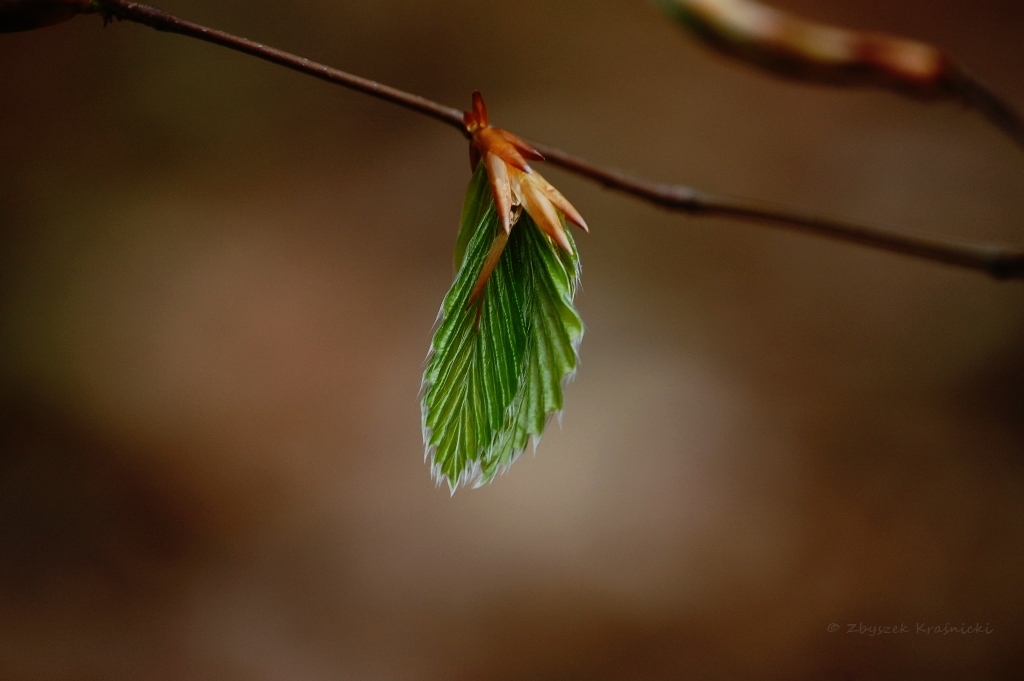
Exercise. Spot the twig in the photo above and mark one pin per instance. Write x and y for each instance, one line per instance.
(997, 111)
(162, 21)
(998, 261)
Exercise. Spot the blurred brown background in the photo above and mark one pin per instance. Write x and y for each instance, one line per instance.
(217, 285)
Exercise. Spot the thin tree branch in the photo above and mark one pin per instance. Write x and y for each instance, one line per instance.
(162, 21)
(990, 105)
(997, 261)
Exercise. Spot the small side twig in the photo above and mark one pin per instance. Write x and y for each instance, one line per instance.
(997, 261)
(994, 108)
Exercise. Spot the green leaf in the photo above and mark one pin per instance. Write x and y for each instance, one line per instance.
(497, 368)
(478, 201)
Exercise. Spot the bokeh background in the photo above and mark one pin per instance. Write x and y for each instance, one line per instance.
(217, 285)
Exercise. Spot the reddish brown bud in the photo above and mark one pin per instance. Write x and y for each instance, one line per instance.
(25, 15)
(514, 183)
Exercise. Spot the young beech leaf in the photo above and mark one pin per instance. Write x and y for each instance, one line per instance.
(498, 364)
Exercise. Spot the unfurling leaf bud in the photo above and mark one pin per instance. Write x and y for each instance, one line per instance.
(25, 15)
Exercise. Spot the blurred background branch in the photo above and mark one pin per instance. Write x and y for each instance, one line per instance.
(793, 47)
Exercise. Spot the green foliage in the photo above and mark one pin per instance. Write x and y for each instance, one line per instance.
(497, 367)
